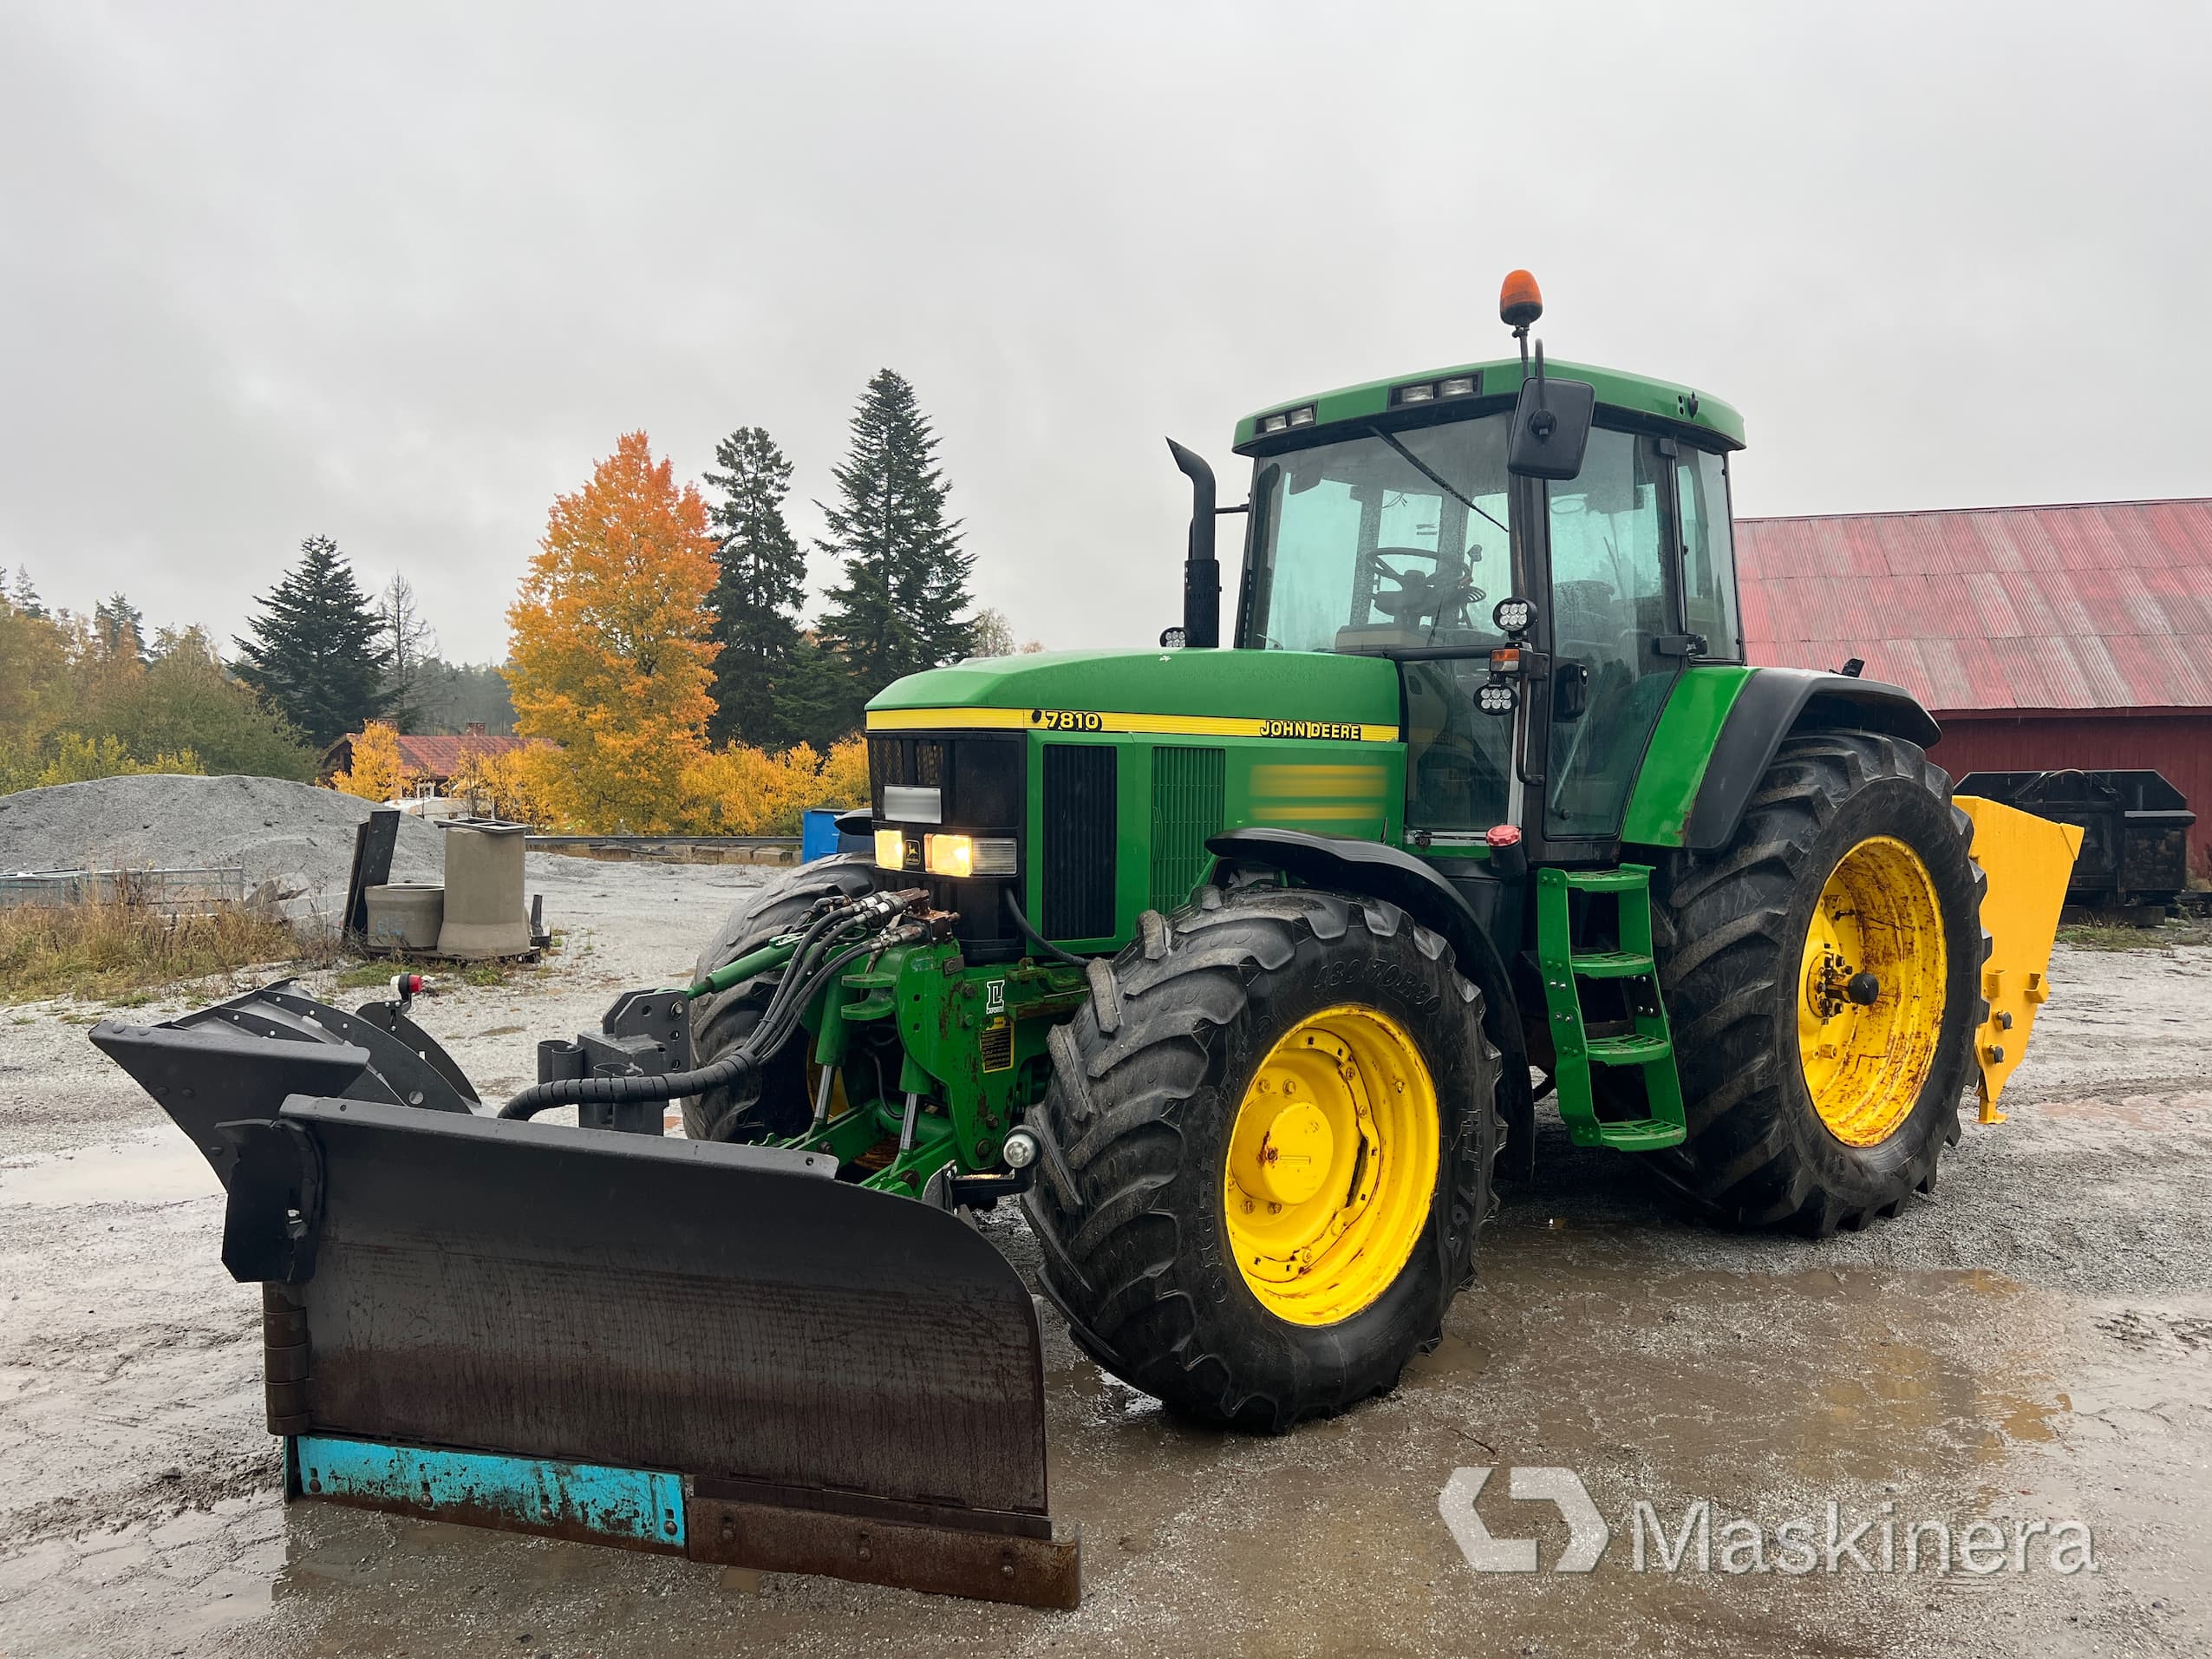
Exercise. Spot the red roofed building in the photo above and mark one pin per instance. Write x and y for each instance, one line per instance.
(433, 760)
(2041, 637)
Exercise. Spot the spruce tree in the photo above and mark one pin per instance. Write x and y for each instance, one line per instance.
(817, 700)
(905, 585)
(25, 597)
(122, 627)
(316, 653)
(756, 598)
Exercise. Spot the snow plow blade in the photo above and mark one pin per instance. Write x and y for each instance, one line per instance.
(716, 1351)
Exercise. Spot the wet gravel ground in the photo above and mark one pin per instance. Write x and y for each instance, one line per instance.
(2033, 1345)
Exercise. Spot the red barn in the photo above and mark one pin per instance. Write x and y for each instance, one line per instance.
(2040, 637)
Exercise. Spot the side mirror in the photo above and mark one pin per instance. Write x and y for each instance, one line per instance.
(1551, 427)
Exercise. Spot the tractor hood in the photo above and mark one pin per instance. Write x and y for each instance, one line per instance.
(1296, 688)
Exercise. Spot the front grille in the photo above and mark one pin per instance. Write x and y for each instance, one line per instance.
(979, 777)
(1076, 875)
(981, 781)
(1186, 809)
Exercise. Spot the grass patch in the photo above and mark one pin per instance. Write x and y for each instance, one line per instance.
(2104, 935)
(121, 951)
(369, 976)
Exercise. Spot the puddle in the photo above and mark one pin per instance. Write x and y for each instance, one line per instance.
(161, 1167)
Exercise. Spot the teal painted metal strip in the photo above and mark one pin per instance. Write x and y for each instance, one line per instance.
(634, 1505)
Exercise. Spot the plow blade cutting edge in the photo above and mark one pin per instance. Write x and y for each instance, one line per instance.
(717, 1351)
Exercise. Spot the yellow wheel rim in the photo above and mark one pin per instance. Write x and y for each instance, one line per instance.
(1331, 1165)
(1871, 993)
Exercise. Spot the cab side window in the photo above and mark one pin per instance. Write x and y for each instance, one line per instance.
(1708, 553)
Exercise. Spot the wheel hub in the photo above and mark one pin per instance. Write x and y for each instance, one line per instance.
(1874, 988)
(1331, 1165)
(1293, 1157)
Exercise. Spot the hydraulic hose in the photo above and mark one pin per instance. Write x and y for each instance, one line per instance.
(1022, 922)
(811, 962)
(762, 1043)
(659, 1086)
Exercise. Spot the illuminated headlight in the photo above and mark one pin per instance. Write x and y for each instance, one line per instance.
(890, 849)
(968, 855)
(1495, 697)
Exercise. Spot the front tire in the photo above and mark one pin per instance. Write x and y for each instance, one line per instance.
(1265, 1159)
(1808, 1107)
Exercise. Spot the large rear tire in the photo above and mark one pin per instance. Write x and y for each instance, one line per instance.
(1822, 974)
(1266, 1154)
(719, 1023)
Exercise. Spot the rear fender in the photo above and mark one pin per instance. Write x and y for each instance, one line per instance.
(1777, 703)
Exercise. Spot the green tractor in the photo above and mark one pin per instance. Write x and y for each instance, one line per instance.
(1242, 964)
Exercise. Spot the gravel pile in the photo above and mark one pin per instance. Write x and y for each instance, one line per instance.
(293, 838)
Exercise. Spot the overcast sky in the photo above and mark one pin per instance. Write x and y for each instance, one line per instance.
(400, 275)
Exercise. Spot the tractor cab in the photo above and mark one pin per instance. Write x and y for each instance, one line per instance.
(1402, 518)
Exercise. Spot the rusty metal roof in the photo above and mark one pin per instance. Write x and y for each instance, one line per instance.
(441, 757)
(2106, 604)
(427, 757)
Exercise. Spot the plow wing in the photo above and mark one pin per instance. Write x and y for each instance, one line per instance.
(720, 1351)
(2028, 861)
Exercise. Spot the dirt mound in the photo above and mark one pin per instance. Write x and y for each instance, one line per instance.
(297, 836)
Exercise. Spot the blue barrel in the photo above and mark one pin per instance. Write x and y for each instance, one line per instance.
(816, 833)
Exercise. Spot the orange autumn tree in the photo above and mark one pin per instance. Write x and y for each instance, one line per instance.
(377, 772)
(609, 650)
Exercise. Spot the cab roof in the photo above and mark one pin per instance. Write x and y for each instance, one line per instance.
(1498, 380)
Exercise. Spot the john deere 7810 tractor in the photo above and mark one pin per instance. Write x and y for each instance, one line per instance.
(1243, 963)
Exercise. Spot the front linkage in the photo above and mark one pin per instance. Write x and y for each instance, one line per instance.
(969, 1045)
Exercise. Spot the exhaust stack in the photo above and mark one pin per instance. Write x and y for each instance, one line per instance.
(1201, 570)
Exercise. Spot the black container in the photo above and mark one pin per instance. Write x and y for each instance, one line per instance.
(2135, 828)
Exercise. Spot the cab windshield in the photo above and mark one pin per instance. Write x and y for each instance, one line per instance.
(1385, 541)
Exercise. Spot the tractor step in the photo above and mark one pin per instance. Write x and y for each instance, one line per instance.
(1628, 878)
(1649, 1046)
(1637, 1051)
(1613, 964)
(1642, 1134)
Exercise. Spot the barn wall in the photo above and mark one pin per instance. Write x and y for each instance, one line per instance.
(2179, 745)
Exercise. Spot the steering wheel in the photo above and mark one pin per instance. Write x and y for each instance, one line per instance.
(1399, 576)
(1420, 593)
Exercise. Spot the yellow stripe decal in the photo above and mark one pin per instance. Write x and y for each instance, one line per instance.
(1087, 720)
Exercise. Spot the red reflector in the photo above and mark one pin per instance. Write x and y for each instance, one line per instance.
(1503, 835)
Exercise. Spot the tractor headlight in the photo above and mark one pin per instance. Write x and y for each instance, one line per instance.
(890, 849)
(968, 855)
(1513, 616)
(1495, 697)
